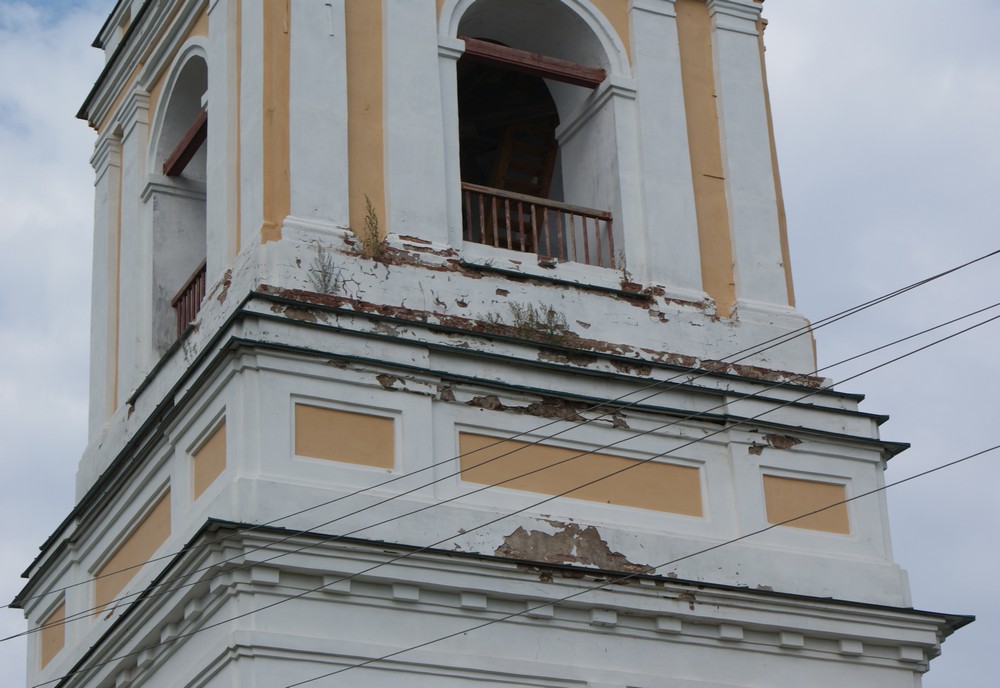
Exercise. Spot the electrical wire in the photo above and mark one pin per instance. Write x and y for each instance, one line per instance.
(146, 594)
(743, 355)
(526, 508)
(626, 577)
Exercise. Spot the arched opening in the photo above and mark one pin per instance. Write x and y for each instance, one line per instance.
(537, 148)
(178, 197)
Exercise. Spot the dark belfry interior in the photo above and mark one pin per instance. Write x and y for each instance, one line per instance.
(511, 181)
(507, 124)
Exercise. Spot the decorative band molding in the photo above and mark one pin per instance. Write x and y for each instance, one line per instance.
(739, 16)
(664, 8)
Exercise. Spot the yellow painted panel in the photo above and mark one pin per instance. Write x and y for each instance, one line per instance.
(325, 433)
(694, 29)
(200, 27)
(616, 12)
(125, 563)
(210, 460)
(790, 497)
(276, 147)
(53, 635)
(782, 219)
(365, 140)
(650, 485)
(113, 110)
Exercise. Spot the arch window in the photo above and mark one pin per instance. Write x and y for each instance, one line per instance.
(537, 133)
(177, 193)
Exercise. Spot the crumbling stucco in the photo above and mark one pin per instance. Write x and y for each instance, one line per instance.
(572, 545)
(776, 441)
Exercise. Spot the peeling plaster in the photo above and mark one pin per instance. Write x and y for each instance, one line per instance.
(775, 441)
(389, 382)
(570, 545)
(567, 340)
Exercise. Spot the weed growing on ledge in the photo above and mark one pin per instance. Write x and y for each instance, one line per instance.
(324, 276)
(372, 243)
(544, 324)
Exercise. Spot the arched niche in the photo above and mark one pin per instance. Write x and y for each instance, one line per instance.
(583, 124)
(177, 194)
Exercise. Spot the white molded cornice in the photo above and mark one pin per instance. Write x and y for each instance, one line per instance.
(735, 15)
(134, 111)
(664, 8)
(449, 47)
(173, 186)
(107, 152)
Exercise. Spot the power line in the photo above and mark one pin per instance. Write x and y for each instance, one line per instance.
(424, 548)
(693, 416)
(619, 580)
(743, 355)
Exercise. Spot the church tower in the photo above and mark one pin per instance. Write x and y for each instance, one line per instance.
(446, 343)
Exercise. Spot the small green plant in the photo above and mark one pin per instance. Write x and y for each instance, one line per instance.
(623, 266)
(493, 321)
(372, 243)
(324, 276)
(542, 323)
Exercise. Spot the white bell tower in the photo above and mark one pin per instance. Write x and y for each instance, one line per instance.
(453, 343)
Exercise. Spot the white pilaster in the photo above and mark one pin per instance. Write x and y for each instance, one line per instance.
(746, 154)
(449, 52)
(135, 325)
(223, 138)
(107, 162)
(414, 122)
(671, 224)
(251, 133)
(318, 112)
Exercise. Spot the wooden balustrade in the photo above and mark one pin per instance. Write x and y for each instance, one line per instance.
(188, 300)
(518, 222)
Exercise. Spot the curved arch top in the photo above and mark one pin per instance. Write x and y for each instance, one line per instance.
(615, 54)
(194, 48)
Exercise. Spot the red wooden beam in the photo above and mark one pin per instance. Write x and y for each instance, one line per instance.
(533, 63)
(188, 146)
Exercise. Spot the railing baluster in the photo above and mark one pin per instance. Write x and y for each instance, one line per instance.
(520, 225)
(611, 244)
(597, 240)
(467, 225)
(568, 238)
(559, 229)
(187, 302)
(534, 228)
(496, 223)
(506, 208)
(482, 220)
(545, 230)
(572, 234)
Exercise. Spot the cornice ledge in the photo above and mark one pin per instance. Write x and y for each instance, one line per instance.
(451, 48)
(107, 152)
(665, 8)
(739, 16)
(134, 111)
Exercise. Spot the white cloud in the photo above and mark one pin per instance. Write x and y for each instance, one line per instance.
(886, 119)
(46, 193)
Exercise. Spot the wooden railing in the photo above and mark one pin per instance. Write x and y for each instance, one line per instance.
(517, 222)
(187, 303)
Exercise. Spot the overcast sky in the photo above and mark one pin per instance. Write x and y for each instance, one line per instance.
(887, 115)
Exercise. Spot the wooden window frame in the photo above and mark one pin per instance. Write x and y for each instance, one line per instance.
(188, 146)
(534, 64)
